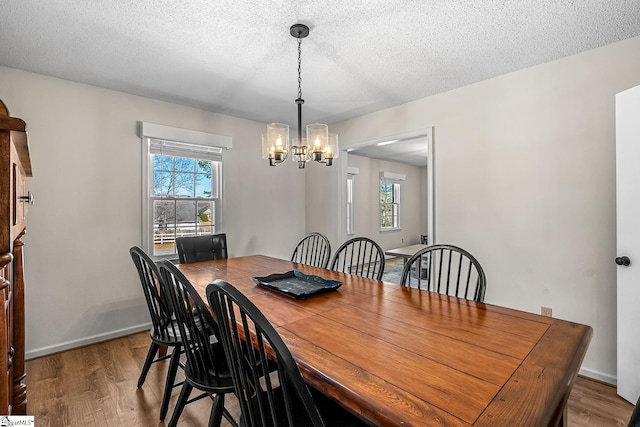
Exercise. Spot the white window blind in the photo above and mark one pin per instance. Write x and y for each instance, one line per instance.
(180, 149)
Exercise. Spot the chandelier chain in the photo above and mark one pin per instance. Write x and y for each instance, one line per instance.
(299, 68)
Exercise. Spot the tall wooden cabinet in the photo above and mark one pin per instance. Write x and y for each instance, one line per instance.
(15, 167)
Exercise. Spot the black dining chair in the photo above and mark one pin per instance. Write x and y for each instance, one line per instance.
(281, 398)
(446, 269)
(635, 415)
(313, 249)
(164, 331)
(206, 366)
(201, 248)
(360, 256)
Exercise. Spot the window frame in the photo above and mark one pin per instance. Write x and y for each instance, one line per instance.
(350, 217)
(395, 204)
(183, 150)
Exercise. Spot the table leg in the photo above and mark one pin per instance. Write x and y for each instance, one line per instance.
(562, 422)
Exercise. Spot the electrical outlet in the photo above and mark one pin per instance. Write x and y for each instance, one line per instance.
(545, 311)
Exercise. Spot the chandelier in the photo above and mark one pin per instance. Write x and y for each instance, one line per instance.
(275, 143)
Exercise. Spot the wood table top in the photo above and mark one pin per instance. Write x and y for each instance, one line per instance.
(402, 356)
(406, 251)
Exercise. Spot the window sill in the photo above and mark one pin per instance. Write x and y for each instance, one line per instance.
(173, 258)
(386, 230)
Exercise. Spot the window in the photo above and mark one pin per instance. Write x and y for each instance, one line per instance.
(184, 186)
(350, 204)
(389, 204)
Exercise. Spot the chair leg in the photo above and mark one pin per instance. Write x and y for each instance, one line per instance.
(182, 401)
(151, 354)
(229, 418)
(215, 419)
(171, 378)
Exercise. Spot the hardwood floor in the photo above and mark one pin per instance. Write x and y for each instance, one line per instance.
(593, 403)
(96, 386)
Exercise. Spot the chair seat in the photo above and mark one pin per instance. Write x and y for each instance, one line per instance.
(169, 336)
(217, 378)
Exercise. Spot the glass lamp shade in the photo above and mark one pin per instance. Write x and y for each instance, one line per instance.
(332, 149)
(318, 137)
(265, 146)
(275, 144)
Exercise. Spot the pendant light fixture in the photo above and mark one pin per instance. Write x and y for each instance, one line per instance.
(319, 145)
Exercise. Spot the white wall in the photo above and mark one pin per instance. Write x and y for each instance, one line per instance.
(524, 175)
(366, 202)
(324, 192)
(80, 282)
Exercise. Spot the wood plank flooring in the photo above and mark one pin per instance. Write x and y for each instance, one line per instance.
(96, 386)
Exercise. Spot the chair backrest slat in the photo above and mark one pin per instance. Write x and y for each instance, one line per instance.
(446, 269)
(313, 249)
(163, 328)
(468, 282)
(440, 270)
(360, 256)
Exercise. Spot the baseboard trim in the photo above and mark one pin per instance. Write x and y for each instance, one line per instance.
(605, 378)
(81, 342)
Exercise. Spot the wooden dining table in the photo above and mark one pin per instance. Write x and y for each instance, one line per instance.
(405, 252)
(399, 356)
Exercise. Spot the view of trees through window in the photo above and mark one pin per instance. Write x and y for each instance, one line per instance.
(389, 204)
(185, 191)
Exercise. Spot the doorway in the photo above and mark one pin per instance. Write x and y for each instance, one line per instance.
(415, 148)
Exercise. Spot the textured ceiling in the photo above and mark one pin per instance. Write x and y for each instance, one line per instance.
(237, 56)
(411, 150)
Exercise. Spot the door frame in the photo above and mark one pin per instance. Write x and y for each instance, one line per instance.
(431, 181)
